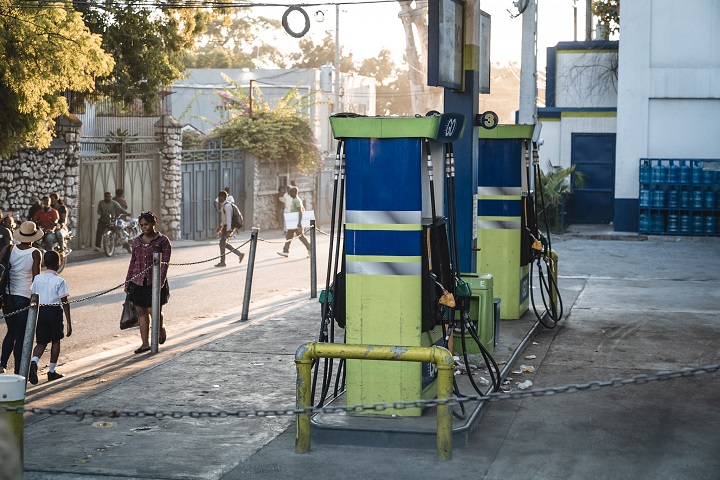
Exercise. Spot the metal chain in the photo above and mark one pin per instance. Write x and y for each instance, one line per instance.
(83, 299)
(641, 379)
(283, 241)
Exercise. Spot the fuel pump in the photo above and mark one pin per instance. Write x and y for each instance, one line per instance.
(355, 266)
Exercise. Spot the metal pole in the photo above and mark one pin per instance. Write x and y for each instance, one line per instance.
(313, 261)
(528, 66)
(155, 303)
(249, 273)
(29, 336)
(337, 59)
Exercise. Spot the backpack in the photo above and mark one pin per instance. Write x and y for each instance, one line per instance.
(237, 218)
(4, 272)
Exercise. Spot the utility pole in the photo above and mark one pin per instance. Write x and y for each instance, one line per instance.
(337, 58)
(588, 19)
(528, 66)
(250, 96)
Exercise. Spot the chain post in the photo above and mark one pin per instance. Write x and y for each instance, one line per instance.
(313, 261)
(29, 336)
(154, 340)
(249, 273)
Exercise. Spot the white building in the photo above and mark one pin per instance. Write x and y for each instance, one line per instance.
(655, 94)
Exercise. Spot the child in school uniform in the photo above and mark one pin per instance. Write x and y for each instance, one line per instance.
(53, 293)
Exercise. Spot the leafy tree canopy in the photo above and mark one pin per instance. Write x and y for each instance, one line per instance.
(45, 49)
(232, 41)
(315, 56)
(273, 133)
(148, 44)
(608, 13)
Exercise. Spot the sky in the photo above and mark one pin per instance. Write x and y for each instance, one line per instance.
(367, 28)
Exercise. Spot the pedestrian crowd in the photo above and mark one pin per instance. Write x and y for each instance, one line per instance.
(21, 261)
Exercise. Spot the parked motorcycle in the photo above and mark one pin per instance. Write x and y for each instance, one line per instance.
(64, 252)
(119, 233)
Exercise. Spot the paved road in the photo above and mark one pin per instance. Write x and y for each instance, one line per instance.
(199, 292)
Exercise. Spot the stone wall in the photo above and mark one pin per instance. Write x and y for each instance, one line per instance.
(34, 173)
(169, 131)
(262, 186)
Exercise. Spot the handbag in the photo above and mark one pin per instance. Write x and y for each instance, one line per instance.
(129, 317)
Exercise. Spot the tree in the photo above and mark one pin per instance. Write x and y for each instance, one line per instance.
(279, 133)
(393, 87)
(608, 14)
(233, 41)
(44, 51)
(414, 19)
(315, 56)
(147, 41)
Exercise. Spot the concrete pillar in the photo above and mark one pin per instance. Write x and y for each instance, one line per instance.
(170, 186)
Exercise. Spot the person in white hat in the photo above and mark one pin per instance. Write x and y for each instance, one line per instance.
(24, 266)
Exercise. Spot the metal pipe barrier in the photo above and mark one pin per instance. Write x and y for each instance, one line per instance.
(29, 336)
(249, 274)
(440, 356)
(155, 310)
(313, 261)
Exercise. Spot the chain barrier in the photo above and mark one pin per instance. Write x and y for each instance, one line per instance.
(641, 379)
(105, 292)
(285, 240)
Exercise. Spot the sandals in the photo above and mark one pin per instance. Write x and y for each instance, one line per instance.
(142, 349)
(162, 339)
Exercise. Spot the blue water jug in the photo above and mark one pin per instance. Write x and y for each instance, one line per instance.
(717, 199)
(645, 172)
(658, 198)
(710, 224)
(696, 172)
(659, 173)
(697, 199)
(672, 198)
(685, 199)
(697, 224)
(673, 225)
(657, 223)
(685, 224)
(708, 177)
(645, 199)
(644, 223)
(685, 172)
(709, 202)
(673, 173)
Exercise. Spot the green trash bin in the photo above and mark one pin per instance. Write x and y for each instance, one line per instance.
(482, 314)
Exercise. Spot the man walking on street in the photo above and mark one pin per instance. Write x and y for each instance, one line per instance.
(226, 230)
(296, 206)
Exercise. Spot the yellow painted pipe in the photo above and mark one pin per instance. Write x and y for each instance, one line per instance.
(440, 356)
(554, 273)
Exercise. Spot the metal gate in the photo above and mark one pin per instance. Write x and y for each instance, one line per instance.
(594, 155)
(204, 174)
(132, 164)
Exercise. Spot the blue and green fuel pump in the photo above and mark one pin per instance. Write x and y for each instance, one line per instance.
(391, 199)
(503, 197)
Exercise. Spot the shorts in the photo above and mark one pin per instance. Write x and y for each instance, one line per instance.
(50, 326)
(141, 295)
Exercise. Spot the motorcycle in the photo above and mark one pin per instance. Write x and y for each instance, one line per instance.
(119, 233)
(63, 253)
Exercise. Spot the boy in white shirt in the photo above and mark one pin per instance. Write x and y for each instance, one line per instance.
(53, 293)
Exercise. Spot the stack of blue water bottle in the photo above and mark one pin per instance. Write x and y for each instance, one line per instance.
(679, 197)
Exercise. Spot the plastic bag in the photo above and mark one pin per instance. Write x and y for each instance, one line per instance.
(129, 318)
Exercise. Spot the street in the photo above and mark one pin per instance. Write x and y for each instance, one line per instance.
(199, 292)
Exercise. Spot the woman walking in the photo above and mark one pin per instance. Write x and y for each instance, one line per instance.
(24, 266)
(139, 285)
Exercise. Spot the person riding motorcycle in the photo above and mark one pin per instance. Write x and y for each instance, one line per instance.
(49, 220)
(107, 209)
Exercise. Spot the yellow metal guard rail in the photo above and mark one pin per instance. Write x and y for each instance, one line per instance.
(440, 356)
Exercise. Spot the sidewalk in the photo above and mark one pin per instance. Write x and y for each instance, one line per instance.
(632, 307)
